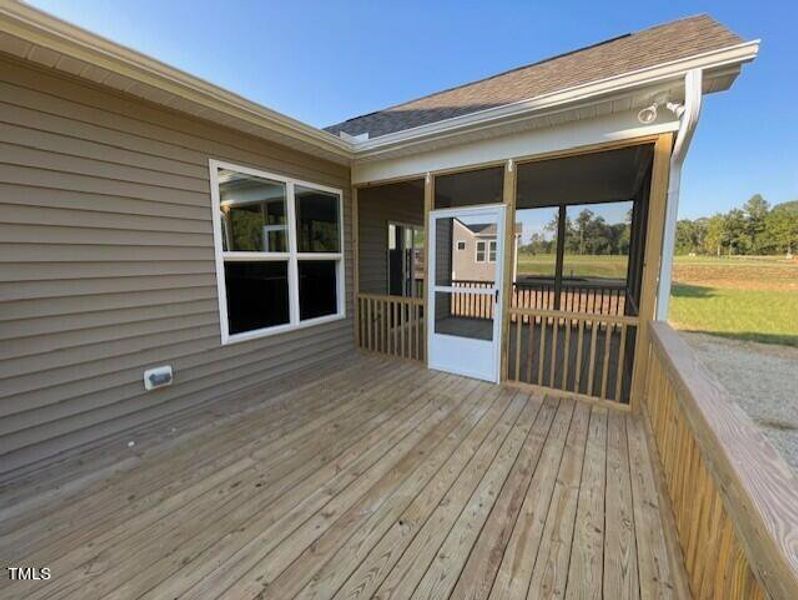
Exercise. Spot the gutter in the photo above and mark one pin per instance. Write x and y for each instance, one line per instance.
(689, 119)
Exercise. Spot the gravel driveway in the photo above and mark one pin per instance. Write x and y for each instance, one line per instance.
(762, 378)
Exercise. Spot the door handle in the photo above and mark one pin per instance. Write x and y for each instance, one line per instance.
(496, 295)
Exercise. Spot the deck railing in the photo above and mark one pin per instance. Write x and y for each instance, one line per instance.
(392, 325)
(602, 299)
(478, 306)
(585, 354)
(734, 499)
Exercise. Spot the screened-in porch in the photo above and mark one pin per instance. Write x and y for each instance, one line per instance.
(552, 279)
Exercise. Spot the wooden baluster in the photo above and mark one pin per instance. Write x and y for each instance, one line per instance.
(531, 327)
(384, 326)
(518, 350)
(591, 366)
(608, 331)
(620, 370)
(578, 363)
(542, 349)
(402, 307)
(361, 319)
(554, 335)
(566, 353)
(369, 324)
(417, 330)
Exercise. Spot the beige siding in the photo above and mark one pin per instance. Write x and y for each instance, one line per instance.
(397, 203)
(107, 264)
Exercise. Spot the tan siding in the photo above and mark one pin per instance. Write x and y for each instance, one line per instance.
(107, 264)
(398, 203)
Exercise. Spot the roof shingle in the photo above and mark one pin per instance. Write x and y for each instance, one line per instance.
(624, 54)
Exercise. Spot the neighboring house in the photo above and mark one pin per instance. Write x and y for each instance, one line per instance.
(474, 251)
(179, 262)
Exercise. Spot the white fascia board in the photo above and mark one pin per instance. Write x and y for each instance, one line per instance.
(610, 128)
(659, 74)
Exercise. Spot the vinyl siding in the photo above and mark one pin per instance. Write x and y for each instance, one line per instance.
(377, 206)
(465, 262)
(107, 264)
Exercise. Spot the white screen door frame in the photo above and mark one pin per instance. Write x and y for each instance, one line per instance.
(463, 354)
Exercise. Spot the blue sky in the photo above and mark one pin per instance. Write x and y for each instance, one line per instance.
(322, 62)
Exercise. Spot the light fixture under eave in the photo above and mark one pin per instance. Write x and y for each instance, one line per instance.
(648, 115)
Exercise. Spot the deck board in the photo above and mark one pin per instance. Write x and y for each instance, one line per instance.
(383, 480)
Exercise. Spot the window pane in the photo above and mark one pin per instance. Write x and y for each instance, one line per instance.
(317, 221)
(257, 295)
(318, 289)
(253, 213)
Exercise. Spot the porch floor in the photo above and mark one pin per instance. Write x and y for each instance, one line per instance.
(382, 480)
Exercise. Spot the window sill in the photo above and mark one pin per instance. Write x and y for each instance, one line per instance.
(277, 329)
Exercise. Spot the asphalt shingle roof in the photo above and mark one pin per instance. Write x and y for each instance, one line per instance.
(623, 54)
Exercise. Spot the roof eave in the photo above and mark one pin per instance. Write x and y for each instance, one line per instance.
(722, 62)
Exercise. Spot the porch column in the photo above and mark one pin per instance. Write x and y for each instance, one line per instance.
(355, 267)
(509, 260)
(429, 197)
(657, 201)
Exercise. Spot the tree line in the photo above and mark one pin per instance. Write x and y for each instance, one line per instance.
(754, 228)
(586, 234)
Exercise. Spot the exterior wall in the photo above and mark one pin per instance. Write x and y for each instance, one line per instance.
(377, 206)
(108, 264)
(465, 262)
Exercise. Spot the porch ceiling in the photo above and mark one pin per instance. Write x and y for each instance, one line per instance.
(382, 478)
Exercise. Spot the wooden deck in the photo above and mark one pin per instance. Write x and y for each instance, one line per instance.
(382, 480)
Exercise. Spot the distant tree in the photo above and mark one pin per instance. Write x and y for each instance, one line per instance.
(690, 236)
(781, 229)
(756, 212)
(739, 240)
(580, 240)
(716, 235)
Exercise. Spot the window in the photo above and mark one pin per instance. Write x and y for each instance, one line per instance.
(461, 245)
(480, 251)
(279, 259)
(492, 251)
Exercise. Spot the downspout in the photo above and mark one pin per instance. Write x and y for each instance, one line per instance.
(689, 119)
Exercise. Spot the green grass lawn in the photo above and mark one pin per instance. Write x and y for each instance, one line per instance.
(764, 316)
(613, 267)
(751, 298)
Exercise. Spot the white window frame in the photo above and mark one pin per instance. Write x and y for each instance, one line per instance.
(293, 256)
(461, 245)
(484, 251)
(491, 249)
